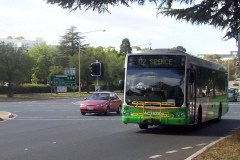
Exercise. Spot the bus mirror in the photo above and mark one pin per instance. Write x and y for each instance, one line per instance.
(191, 77)
(121, 84)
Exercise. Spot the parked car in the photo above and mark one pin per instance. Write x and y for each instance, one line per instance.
(235, 84)
(233, 94)
(101, 102)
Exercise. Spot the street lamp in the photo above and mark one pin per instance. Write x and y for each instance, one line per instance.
(79, 58)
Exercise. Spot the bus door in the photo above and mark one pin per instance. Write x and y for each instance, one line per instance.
(191, 98)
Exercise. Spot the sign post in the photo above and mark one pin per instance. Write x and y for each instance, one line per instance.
(62, 81)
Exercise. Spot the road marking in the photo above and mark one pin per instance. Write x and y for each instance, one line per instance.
(54, 142)
(187, 148)
(201, 144)
(76, 103)
(155, 156)
(204, 148)
(173, 151)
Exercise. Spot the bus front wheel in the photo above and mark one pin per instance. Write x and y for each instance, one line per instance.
(143, 126)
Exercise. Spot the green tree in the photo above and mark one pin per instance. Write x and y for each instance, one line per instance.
(15, 66)
(223, 14)
(125, 47)
(43, 56)
(213, 57)
(69, 43)
(180, 48)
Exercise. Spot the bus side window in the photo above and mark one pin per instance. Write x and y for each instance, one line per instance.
(191, 77)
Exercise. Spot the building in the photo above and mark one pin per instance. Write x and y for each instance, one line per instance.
(22, 42)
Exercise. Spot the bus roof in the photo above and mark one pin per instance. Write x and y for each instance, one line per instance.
(191, 59)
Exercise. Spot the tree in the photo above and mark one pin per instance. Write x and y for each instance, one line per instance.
(213, 58)
(43, 56)
(15, 66)
(180, 48)
(125, 47)
(69, 43)
(223, 14)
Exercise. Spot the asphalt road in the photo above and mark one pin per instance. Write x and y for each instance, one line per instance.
(54, 129)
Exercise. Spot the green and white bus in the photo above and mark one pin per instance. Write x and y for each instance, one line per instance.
(171, 87)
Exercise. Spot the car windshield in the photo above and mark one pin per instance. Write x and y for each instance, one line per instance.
(99, 96)
(155, 85)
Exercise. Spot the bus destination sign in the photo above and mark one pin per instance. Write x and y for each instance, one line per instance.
(155, 61)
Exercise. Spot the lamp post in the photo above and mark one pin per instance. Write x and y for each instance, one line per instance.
(79, 58)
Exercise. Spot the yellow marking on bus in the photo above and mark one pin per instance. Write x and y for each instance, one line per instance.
(155, 114)
(143, 104)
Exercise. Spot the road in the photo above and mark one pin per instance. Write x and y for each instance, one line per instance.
(54, 129)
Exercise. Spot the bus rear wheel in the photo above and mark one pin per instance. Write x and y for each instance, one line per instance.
(219, 113)
(199, 117)
(143, 126)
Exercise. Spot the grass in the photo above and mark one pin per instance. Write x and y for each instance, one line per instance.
(226, 149)
(42, 96)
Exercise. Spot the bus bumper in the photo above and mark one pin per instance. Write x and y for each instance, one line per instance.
(154, 120)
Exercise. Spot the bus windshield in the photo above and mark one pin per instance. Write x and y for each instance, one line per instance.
(155, 85)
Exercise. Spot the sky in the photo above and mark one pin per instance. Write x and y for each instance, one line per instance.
(36, 19)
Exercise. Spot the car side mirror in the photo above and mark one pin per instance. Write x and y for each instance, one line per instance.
(111, 98)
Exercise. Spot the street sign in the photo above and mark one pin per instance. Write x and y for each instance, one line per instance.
(63, 80)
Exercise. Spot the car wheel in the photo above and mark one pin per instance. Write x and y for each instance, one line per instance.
(143, 126)
(83, 113)
(119, 110)
(107, 111)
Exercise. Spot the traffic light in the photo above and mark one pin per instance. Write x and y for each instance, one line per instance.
(96, 69)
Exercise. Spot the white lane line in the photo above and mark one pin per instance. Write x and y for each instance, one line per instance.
(204, 148)
(201, 144)
(76, 103)
(155, 156)
(186, 147)
(173, 151)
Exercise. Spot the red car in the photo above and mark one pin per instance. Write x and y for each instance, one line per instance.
(101, 102)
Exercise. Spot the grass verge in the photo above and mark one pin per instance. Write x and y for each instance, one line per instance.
(227, 149)
(42, 96)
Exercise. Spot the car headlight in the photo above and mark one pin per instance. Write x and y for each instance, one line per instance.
(82, 105)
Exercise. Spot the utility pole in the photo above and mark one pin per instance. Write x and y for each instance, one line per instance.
(238, 45)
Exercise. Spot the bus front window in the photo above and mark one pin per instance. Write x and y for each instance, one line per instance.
(155, 85)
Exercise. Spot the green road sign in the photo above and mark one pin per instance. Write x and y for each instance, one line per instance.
(63, 80)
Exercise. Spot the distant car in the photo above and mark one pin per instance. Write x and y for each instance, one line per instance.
(235, 84)
(101, 102)
(233, 94)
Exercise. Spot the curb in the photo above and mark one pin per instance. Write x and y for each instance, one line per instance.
(205, 148)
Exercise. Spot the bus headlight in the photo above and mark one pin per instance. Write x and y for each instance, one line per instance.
(181, 115)
(126, 113)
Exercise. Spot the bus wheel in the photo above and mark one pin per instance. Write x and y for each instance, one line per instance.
(199, 117)
(143, 126)
(219, 113)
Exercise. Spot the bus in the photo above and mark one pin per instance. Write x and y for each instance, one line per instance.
(172, 87)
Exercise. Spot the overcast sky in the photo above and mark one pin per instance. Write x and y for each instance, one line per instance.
(35, 19)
